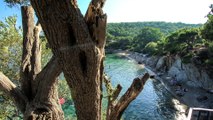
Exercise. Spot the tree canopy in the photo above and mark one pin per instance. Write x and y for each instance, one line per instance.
(182, 40)
(145, 36)
(10, 53)
(207, 30)
(124, 35)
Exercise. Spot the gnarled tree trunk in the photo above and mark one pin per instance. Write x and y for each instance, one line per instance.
(40, 87)
(38, 96)
(79, 50)
(78, 42)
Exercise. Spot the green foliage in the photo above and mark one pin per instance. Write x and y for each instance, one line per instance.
(207, 30)
(121, 43)
(68, 106)
(10, 52)
(181, 41)
(146, 35)
(10, 61)
(8, 109)
(10, 56)
(63, 89)
(207, 33)
(121, 35)
(46, 52)
(187, 57)
(210, 48)
(151, 48)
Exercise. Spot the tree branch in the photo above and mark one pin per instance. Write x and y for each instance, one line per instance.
(10, 89)
(47, 80)
(46, 94)
(26, 66)
(80, 57)
(111, 94)
(36, 51)
(133, 91)
(35, 58)
(96, 21)
(31, 56)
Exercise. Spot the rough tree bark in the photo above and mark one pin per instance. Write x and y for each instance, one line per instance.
(40, 87)
(80, 56)
(38, 97)
(78, 42)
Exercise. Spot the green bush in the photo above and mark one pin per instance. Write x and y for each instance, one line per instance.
(187, 58)
(210, 48)
(151, 48)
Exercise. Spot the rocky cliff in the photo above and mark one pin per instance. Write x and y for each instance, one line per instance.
(188, 73)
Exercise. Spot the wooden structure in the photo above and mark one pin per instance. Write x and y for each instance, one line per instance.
(200, 114)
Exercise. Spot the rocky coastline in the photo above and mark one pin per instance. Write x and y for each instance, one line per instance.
(190, 85)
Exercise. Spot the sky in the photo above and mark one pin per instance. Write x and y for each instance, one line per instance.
(186, 11)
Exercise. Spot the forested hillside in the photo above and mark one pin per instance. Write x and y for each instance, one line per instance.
(131, 29)
(190, 41)
(121, 35)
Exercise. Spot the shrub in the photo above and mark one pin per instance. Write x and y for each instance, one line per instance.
(151, 48)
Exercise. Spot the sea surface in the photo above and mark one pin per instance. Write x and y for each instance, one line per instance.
(153, 103)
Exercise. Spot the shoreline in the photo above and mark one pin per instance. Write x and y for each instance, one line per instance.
(189, 96)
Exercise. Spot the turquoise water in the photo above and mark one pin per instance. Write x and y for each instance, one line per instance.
(153, 103)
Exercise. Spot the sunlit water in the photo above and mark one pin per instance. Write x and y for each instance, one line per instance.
(153, 103)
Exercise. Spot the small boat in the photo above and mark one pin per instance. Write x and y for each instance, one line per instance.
(200, 114)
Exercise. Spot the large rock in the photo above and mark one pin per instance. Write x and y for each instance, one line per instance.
(161, 63)
(184, 73)
(151, 61)
(190, 74)
(137, 57)
(193, 74)
(177, 71)
(206, 82)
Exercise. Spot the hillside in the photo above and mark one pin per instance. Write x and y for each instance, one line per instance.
(131, 29)
(128, 35)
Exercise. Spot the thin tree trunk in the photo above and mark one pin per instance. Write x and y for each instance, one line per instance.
(26, 68)
(45, 104)
(40, 86)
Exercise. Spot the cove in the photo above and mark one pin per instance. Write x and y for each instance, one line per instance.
(153, 103)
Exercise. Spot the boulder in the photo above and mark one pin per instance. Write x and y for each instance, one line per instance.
(177, 71)
(151, 61)
(190, 74)
(198, 77)
(161, 63)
